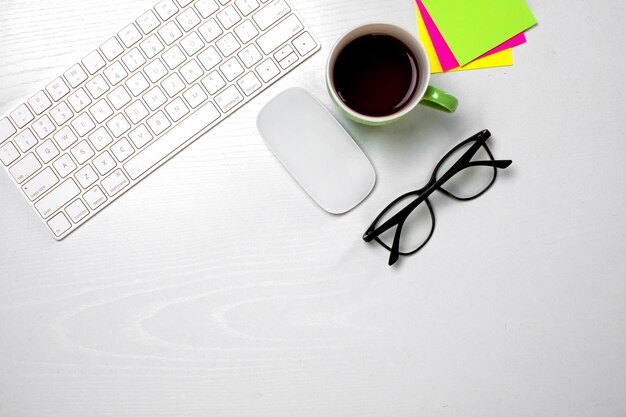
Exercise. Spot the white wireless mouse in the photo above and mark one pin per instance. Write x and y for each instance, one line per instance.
(316, 150)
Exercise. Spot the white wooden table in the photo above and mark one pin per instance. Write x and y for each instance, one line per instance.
(217, 288)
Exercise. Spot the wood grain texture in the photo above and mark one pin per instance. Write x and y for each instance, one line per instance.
(217, 288)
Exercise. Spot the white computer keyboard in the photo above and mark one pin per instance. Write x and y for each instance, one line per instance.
(142, 96)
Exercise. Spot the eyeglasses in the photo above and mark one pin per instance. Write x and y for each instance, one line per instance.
(464, 173)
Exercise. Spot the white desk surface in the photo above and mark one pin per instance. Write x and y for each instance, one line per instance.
(216, 287)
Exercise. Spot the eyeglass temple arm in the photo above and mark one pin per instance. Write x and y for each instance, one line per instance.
(394, 255)
(500, 164)
(480, 138)
(401, 216)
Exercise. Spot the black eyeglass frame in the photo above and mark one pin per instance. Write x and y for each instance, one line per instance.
(433, 185)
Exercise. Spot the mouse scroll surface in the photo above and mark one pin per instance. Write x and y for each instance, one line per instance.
(316, 150)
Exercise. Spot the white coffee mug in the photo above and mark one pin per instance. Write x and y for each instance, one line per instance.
(424, 93)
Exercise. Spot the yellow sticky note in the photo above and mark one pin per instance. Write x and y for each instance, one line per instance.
(499, 59)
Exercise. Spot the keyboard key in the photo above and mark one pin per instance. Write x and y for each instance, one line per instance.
(151, 46)
(173, 85)
(100, 138)
(21, 116)
(137, 84)
(64, 166)
(26, 167)
(101, 111)
(191, 71)
(6, 129)
(177, 109)
(229, 99)
(232, 69)
(94, 62)
(82, 152)
(57, 89)
(304, 43)
(83, 124)
(148, 22)
(122, 150)
(206, 7)
(57, 198)
(8, 153)
(40, 184)
(183, 3)
(104, 163)
(25, 140)
(95, 198)
(228, 17)
(140, 136)
(210, 58)
(115, 73)
(249, 83)
(171, 141)
(195, 96)
(192, 44)
(283, 52)
(188, 20)
(77, 211)
(271, 14)
(136, 112)
(97, 86)
(170, 33)
(213, 82)
(59, 224)
(159, 123)
(267, 70)
(115, 183)
(173, 57)
(166, 9)
(112, 49)
(130, 35)
(39, 103)
(155, 70)
(118, 125)
(86, 176)
(279, 34)
(43, 127)
(228, 45)
(47, 151)
(133, 59)
(246, 31)
(65, 138)
(246, 6)
(79, 100)
(75, 76)
(289, 61)
(119, 97)
(250, 56)
(155, 98)
(210, 30)
(61, 113)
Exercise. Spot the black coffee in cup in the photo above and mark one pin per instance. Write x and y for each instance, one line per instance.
(376, 75)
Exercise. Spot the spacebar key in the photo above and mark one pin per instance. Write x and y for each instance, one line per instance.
(171, 141)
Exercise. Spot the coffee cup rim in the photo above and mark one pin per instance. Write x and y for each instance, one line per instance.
(415, 45)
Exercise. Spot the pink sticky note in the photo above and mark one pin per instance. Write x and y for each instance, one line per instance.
(445, 55)
(516, 40)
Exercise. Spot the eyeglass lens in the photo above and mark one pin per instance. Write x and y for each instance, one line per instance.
(471, 181)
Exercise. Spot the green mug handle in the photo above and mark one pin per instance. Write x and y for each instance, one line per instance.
(439, 100)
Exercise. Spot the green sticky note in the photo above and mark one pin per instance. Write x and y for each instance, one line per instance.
(473, 27)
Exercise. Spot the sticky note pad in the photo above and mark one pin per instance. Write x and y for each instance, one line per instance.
(497, 59)
(471, 28)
